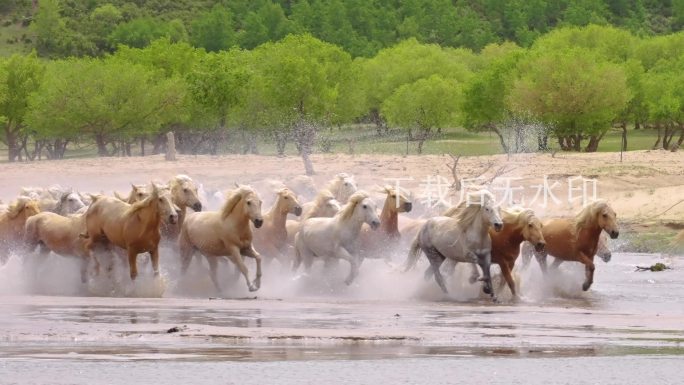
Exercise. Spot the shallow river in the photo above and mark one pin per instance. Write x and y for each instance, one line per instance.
(387, 328)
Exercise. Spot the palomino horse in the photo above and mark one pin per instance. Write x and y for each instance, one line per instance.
(138, 193)
(577, 239)
(12, 224)
(336, 237)
(342, 186)
(377, 244)
(527, 250)
(225, 233)
(134, 228)
(324, 206)
(69, 202)
(464, 238)
(271, 239)
(61, 235)
(183, 195)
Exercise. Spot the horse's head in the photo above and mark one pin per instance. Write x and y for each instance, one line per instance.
(398, 199)
(607, 220)
(70, 202)
(138, 193)
(331, 207)
(532, 231)
(252, 207)
(162, 198)
(346, 186)
(490, 211)
(362, 207)
(184, 192)
(287, 202)
(23, 207)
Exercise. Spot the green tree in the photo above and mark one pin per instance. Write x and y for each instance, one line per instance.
(575, 91)
(108, 100)
(663, 88)
(268, 23)
(48, 26)
(139, 33)
(425, 104)
(22, 76)
(213, 30)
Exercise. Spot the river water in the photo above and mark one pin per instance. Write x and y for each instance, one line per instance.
(388, 327)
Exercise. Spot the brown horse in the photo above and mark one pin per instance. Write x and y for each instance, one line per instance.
(12, 224)
(61, 235)
(134, 228)
(225, 233)
(577, 239)
(271, 239)
(374, 243)
(519, 225)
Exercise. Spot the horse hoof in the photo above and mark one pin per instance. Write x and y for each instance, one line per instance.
(253, 288)
(586, 286)
(487, 290)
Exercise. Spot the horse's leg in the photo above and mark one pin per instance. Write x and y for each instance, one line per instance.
(506, 272)
(187, 250)
(154, 256)
(436, 259)
(541, 259)
(449, 266)
(588, 270)
(250, 252)
(133, 263)
(485, 262)
(342, 253)
(236, 258)
(474, 273)
(213, 271)
(556, 263)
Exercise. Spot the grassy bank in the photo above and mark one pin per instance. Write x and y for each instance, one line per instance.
(365, 140)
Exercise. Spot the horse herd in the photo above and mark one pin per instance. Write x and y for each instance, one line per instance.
(339, 223)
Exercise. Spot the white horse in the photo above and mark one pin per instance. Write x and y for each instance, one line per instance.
(336, 237)
(464, 238)
(342, 186)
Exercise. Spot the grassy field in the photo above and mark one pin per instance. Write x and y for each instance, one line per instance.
(364, 140)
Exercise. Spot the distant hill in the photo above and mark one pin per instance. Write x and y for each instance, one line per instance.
(362, 27)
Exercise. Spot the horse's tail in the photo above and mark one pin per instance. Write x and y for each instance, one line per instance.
(121, 198)
(31, 234)
(414, 253)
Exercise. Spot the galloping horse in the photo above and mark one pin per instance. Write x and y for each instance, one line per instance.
(137, 194)
(324, 206)
(12, 224)
(463, 239)
(225, 233)
(375, 244)
(183, 195)
(577, 239)
(134, 228)
(271, 239)
(61, 235)
(527, 250)
(342, 186)
(336, 237)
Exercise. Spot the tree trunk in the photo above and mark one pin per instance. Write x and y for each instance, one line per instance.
(624, 136)
(12, 143)
(657, 143)
(281, 142)
(542, 142)
(142, 146)
(170, 146)
(563, 143)
(504, 146)
(592, 146)
(101, 145)
(379, 123)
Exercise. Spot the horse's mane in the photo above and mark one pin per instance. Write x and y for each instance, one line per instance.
(15, 207)
(322, 197)
(468, 210)
(517, 216)
(588, 212)
(178, 180)
(234, 197)
(348, 209)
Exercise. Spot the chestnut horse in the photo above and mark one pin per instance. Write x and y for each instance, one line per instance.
(577, 239)
(134, 228)
(12, 222)
(225, 233)
(271, 239)
(376, 244)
